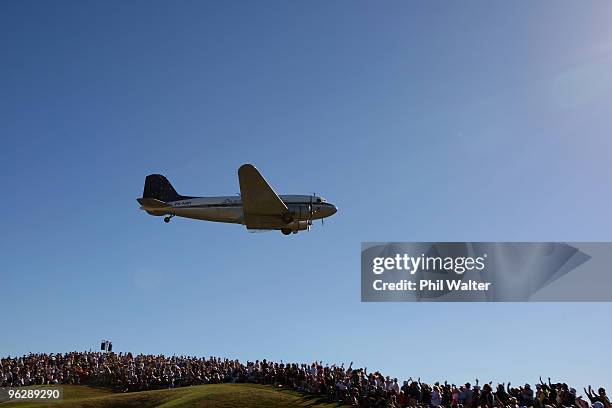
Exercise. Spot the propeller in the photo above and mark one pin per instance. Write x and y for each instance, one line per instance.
(311, 212)
(308, 222)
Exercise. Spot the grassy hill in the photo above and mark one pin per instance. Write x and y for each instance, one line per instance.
(214, 395)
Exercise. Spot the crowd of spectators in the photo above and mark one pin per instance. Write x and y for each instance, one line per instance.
(348, 385)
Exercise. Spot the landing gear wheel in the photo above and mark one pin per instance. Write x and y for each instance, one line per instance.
(286, 231)
(167, 219)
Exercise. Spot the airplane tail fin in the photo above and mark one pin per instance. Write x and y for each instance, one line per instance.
(158, 187)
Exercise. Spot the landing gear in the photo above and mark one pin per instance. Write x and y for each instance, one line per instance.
(168, 218)
(286, 231)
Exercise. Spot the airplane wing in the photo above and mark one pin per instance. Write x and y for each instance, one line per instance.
(261, 205)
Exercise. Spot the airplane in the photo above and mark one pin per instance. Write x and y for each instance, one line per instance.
(257, 207)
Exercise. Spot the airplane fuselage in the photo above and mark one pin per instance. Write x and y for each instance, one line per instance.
(229, 208)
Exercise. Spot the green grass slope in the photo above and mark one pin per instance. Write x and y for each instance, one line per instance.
(214, 395)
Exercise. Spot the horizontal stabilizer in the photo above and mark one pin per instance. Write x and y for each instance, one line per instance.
(152, 204)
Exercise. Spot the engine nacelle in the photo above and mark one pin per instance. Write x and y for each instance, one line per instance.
(296, 226)
(300, 211)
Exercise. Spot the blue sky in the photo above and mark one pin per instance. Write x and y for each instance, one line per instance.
(421, 121)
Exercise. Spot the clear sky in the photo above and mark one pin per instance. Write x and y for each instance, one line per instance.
(421, 121)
